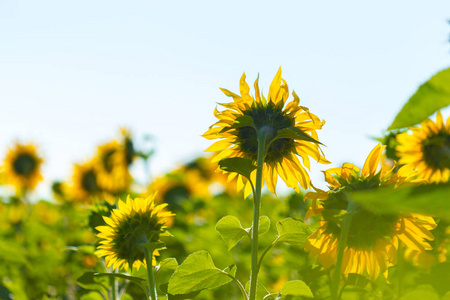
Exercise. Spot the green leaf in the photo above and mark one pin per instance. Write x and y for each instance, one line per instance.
(91, 296)
(425, 199)
(296, 288)
(422, 292)
(242, 121)
(264, 225)
(118, 275)
(242, 166)
(152, 246)
(295, 134)
(183, 296)
(431, 96)
(197, 273)
(231, 230)
(165, 270)
(292, 231)
(88, 282)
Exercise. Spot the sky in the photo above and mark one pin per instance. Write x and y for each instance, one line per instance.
(73, 72)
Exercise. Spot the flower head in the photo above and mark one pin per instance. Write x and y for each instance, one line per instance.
(272, 115)
(84, 185)
(135, 222)
(22, 167)
(427, 149)
(373, 238)
(112, 166)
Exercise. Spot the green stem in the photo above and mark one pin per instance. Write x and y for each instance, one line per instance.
(342, 244)
(262, 134)
(112, 283)
(150, 274)
(241, 287)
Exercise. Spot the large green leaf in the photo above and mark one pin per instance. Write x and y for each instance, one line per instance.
(231, 230)
(197, 273)
(431, 96)
(425, 199)
(89, 282)
(238, 165)
(292, 231)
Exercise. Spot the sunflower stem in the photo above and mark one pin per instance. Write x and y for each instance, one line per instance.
(262, 135)
(340, 255)
(150, 274)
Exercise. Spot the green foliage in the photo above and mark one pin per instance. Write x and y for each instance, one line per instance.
(295, 134)
(295, 288)
(426, 199)
(231, 230)
(197, 273)
(242, 166)
(431, 96)
(292, 231)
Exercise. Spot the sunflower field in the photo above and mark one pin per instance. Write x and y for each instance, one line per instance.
(215, 227)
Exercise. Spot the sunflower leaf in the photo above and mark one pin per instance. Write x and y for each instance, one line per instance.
(164, 272)
(261, 290)
(429, 97)
(197, 273)
(231, 230)
(424, 199)
(242, 166)
(292, 231)
(243, 121)
(295, 134)
(264, 225)
(295, 288)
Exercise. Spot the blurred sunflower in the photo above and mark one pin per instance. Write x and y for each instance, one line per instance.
(427, 149)
(112, 166)
(84, 185)
(270, 115)
(373, 238)
(135, 222)
(22, 167)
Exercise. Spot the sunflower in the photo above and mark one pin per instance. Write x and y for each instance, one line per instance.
(112, 166)
(135, 222)
(373, 238)
(84, 183)
(427, 149)
(22, 167)
(273, 115)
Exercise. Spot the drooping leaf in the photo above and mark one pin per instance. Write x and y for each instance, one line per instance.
(295, 134)
(231, 230)
(292, 231)
(88, 282)
(426, 199)
(242, 166)
(431, 96)
(295, 288)
(239, 122)
(197, 273)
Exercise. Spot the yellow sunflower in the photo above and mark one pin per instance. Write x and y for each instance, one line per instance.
(273, 115)
(112, 166)
(427, 149)
(22, 167)
(84, 185)
(135, 222)
(373, 238)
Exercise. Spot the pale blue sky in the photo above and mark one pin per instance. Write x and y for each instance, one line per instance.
(72, 72)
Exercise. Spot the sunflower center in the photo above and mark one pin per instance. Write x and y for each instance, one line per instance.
(89, 181)
(271, 116)
(108, 163)
(436, 151)
(25, 164)
(129, 235)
